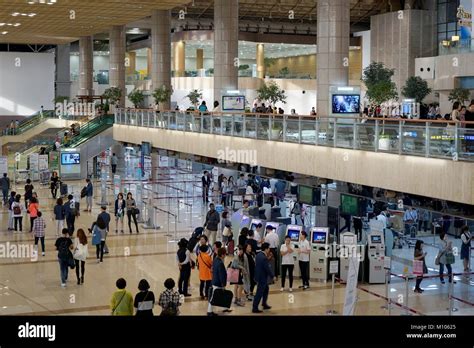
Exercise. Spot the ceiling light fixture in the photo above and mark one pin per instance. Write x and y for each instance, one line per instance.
(47, 2)
(4, 32)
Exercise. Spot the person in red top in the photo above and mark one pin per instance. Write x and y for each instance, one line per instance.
(33, 208)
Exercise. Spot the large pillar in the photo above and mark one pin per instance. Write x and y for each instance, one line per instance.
(261, 61)
(226, 46)
(86, 66)
(148, 61)
(161, 50)
(117, 60)
(199, 59)
(63, 73)
(333, 49)
(179, 58)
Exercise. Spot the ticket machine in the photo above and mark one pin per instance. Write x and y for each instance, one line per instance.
(318, 262)
(294, 231)
(347, 250)
(375, 258)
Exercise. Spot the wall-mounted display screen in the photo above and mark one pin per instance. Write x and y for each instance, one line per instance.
(345, 104)
(305, 194)
(70, 158)
(349, 205)
(233, 103)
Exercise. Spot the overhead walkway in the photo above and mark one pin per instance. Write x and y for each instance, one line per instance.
(420, 157)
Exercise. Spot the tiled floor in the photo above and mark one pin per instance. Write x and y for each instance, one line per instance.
(28, 287)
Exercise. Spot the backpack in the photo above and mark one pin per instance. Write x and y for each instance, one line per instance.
(84, 192)
(17, 210)
(74, 208)
(63, 250)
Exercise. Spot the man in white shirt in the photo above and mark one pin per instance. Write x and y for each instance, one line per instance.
(304, 250)
(258, 234)
(274, 242)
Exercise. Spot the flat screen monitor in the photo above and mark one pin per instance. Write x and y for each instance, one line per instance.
(319, 237)
(273, 224)
(233, 103)
(70, 158)
(245, 221)
(349, 240)
(254, 223)
(349, 205)
(305, 194)
(345, 104)
(376, 239)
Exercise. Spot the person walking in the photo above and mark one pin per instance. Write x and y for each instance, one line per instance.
(466, 239)
(10, 211)
(121, 303)
(106, 217)
(59, 216)
(303, 256)
(288, 256)
(70, 212)
(219, 277)
(80, 255)
(445, 257)
(419, 255)
(99, 234)
(132, 212)
(184, 264)
(206, 184)
(241, 263)
(33, 208)
(211, 223)
(144, 300)
(17, 209)
(263, 274)
(169, 299)
(114, 162)
(38, 232)
(5, 185)
(54, 184)
(204, 260)
(28, 192)
(89, 195)
(64, 247)
(119, 212)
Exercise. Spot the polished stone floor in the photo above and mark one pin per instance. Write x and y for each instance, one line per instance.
(33, 287)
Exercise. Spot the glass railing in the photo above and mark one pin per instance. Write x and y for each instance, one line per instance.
(427, 138)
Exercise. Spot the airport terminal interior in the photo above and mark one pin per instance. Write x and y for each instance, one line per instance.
(323, 148)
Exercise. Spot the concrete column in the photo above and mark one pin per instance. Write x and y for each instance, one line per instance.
(161, 50)
(148, 61)
(86, 66)
(131, 59)
(226, 46)
(117, 43)
(179, 58)
(261, 61)
(199, 59)
(333, 49)
(63, 71)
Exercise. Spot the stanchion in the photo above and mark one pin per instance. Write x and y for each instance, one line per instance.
(332, 311)
(388, 305)
(451, 307)
(405, 304)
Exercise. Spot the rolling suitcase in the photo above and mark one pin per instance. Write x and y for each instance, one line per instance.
(63, 190)
(221, 298)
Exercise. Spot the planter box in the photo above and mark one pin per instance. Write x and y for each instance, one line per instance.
(275, 134)
(384, 144)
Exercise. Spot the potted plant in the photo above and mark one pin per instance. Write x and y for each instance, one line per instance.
(416, 88)
(384, 142)
(136, 97)
(194, 97)
(112, 95)
(275, 131)
(162, 95)
(459, 95)
(284, 72)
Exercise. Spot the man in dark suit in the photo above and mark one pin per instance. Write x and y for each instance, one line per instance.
(219, 276)
(206, 184)
(263, 273)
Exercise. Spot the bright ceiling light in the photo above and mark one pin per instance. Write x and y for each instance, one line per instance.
(455, 38)
(4, 32)
(14, 14)
(2, 24)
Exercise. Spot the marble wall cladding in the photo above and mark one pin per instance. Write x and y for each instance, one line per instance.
(117, 44)
(86, 66)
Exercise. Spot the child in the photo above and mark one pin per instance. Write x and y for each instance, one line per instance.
(38, 231)
(122, 300)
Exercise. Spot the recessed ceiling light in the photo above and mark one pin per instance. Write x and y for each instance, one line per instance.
(4, 32)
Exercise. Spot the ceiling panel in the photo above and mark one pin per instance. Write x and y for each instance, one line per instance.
(66, 20)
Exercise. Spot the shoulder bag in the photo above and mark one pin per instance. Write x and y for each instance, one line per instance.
(120, 301)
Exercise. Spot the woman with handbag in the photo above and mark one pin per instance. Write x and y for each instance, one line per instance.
(80, 254)
(122, 300)
(144, 300)
(226, 227)
(119, 212)
(99, 233)
(132, 211)
(241, 265)
(445, 257)
(420, 256)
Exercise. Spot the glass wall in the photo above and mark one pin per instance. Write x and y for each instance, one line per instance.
(455, 26)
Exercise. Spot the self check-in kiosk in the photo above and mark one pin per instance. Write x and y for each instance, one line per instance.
(318, 262)
(347, 250)
(294, 231)
(254, 223)
(375, 258)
